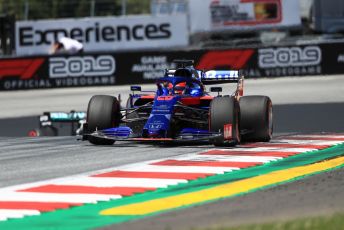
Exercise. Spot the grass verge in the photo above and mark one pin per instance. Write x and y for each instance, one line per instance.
(332, 222)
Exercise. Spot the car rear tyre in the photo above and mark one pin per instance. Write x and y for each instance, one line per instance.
(256, 118)
(103, 112)
(225, 110)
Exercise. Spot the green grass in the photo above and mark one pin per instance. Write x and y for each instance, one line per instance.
(333, 222)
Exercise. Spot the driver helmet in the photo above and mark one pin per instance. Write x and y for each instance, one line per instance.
(179, 88)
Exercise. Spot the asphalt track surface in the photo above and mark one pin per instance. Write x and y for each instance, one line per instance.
(301, 106)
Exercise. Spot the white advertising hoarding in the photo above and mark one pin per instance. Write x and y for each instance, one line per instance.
(219, 15)
(103, 33)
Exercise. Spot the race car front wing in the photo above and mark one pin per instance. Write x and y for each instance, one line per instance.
(125, 134)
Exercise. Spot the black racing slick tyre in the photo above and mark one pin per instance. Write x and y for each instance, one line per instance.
(103, 112)
(223, 111)
(256, 118)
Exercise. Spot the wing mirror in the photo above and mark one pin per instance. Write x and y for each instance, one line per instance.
(135, 88)
(217, 90)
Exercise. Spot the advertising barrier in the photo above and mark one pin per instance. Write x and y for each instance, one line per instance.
(108, 68)
(219, 15)
(57, 71)
(103, 33)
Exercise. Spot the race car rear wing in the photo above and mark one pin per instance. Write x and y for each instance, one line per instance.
(220, 76)
(73, 116)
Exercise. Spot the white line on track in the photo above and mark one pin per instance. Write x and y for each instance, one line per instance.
(121, 182)
(306, 142)
(55, 197)
(16, 213)
(182, 169)
(269, 149)
(318, 136)
(230, 158)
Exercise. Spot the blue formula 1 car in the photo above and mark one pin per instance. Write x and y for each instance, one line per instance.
(181, 110)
